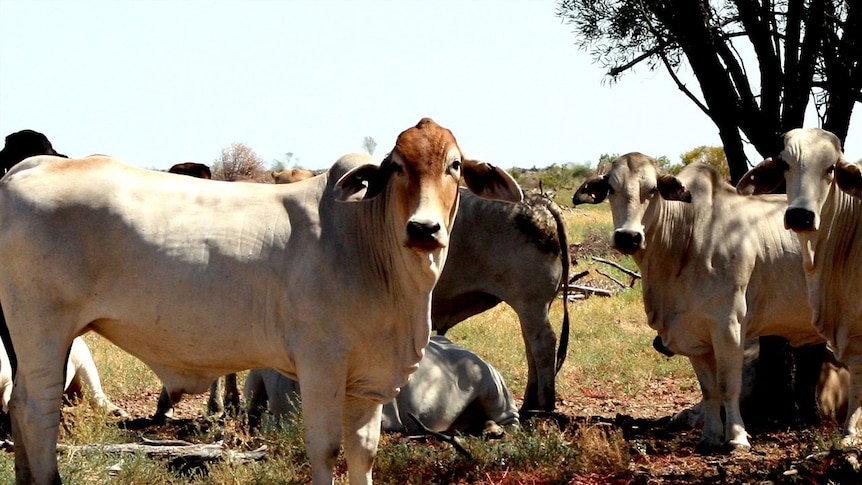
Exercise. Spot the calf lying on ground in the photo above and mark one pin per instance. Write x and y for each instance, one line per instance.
(452, 390)
(81, 374)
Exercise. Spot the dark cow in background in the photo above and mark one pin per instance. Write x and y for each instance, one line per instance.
(198, 170)
(513, 253)
(23, 144)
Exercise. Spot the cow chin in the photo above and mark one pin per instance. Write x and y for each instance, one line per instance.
(424, 245)
(627, 250)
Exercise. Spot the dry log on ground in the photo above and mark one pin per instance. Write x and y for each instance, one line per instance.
(589, 290)
(172, 450)
(635, 276)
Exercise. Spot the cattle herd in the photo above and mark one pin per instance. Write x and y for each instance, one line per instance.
(305, 275)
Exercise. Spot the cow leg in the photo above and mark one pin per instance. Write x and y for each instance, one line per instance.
(215, 403)
(256, 399)
(35, 410)
(165, 406)
(322, 413)
(705, 369)
(540, 343)
(224, 396)
(854, 408)
(361, 435)
(231, 393)
(729, 366)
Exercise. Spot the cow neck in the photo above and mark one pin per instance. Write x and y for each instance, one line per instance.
(405, 277)
(668, 231)
(832, 269)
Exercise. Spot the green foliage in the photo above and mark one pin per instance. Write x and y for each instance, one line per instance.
(559, 181)
(710, 155)
(792, 70)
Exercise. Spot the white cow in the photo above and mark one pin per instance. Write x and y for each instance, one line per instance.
(327, 280)
(452, 390)
(81, 374)
(824, 194)
(708, 258)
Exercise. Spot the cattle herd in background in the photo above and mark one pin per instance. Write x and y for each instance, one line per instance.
(708, 258)
(719, 268)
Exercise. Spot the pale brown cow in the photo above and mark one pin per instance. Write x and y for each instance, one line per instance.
(291, 175)
(329, 282)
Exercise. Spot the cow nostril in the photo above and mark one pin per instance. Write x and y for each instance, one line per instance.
(422, 231)
(627, 242)
(799, 219)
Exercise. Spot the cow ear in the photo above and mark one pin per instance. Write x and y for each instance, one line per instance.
(592, 191)
(848, 176)
(671, 188)
(362, 183)
(490, 182)
(766, 177)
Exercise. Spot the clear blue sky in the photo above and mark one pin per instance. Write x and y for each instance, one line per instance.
(160, 82)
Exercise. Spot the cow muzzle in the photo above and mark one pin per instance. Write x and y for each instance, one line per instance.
(425, 235)
(800, 220)
(628, 242)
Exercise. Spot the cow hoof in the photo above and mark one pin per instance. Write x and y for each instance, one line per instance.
(737, 447)
(119, 413)
(849, 442)
(686, 419)
(493, 431)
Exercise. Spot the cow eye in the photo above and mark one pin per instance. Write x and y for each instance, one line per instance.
(830, 170)
(456, 165)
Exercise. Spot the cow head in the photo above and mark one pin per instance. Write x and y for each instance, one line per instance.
(631, 183)
(192, 169)
(23, 144)
(808, 164)
(421, 176)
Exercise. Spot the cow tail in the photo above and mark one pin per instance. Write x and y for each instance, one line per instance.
(563, 239)
(7, 343)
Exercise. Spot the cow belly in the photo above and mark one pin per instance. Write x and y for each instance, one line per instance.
(200, 351)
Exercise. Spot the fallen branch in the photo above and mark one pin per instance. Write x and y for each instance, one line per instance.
(578, 276)
(172, 449)
(620, 283)
(635, 276)
(590, 290)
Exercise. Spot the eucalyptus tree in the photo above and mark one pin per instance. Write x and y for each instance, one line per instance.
(759, 64)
